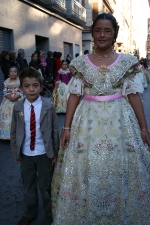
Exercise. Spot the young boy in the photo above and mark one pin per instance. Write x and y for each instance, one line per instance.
(35, 143)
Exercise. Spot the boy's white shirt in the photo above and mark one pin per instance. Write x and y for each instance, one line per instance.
(39, 144)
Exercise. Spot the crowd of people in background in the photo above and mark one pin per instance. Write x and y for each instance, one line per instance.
(47, 67)
(56, 76)
(101, 171)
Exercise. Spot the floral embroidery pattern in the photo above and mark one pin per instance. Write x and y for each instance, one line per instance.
(104, 177)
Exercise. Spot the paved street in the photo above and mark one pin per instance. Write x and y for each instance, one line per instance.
(11, 197)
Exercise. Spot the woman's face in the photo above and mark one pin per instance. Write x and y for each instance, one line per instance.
(7, 57)
(64, 65)
(103, 34)
(35, 58)
(42, 55)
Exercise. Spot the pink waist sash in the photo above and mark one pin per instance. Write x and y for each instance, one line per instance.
(103, 98)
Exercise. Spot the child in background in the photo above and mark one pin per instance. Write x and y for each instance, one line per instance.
(12, 94)
(60, 93)
(35, 143)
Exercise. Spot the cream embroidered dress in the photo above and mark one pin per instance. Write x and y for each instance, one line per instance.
(61, 94)
(6, 107)
(105, 176)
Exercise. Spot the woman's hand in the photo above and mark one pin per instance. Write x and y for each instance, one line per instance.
(14, 98)
(8, 96)
(66, 138)
(146, 137)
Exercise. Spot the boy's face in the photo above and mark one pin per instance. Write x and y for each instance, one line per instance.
(31, 88)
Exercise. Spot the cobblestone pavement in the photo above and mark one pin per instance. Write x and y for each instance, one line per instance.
(11, 196)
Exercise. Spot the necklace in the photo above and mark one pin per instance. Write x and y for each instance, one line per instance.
(99, 57)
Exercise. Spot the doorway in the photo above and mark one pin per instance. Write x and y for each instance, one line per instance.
(42, 43)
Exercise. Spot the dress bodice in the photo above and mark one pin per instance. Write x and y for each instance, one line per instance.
(12, 84)
(104, 80)
(63, 76)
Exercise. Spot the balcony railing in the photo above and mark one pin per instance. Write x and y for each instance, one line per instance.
(75, 12)
(54, 5)
(70, 9)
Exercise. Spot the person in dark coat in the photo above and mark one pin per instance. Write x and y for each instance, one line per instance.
(5, 65)
(34, 61)
(13, 61)
(68, 59)
(57, 65)
(21, 60)
(50, 67)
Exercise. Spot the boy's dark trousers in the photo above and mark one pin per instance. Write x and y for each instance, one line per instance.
(34, 170)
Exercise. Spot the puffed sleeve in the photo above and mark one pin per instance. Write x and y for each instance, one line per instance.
(76, 85)
(132, 83)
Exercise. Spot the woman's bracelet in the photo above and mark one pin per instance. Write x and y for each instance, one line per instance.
(66, 128)
(144, 129)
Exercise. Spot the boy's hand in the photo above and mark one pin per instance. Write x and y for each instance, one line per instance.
(16, 160)
(54, 159)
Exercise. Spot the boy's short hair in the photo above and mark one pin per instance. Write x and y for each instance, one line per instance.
(30, 72)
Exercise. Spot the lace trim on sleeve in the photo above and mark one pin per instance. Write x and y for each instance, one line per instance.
(132, 85)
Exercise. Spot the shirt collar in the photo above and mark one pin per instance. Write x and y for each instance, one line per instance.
(33, 103)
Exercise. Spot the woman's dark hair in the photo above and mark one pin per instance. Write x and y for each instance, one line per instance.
(49, 54)
(37, 52)
(12, 55)
(63, 62)
(107, 16)
(33, 54)
(54, 54)
(3, 55)
(59, 54)
(13, 66)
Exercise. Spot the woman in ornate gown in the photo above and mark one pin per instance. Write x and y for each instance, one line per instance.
(60, 93)
(12, 94)
(104, 178)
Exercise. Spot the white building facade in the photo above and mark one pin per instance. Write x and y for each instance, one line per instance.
(54, 25)
(132, 19)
